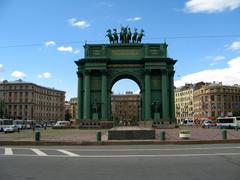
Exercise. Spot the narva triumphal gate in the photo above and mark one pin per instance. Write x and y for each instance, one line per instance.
(146, 64)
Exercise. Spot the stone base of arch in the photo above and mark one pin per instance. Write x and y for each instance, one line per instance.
(157, 124)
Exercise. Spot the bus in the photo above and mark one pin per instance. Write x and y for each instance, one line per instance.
(228, 122)
(4, 123)
(21, 124)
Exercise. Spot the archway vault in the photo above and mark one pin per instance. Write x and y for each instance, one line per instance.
(146, 64)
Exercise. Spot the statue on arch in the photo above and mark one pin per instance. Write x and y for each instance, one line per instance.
(140, 35)
(115, 36)
(134, 37)
(109, 35)
(129, 35)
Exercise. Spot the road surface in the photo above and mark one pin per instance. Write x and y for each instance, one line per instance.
(135, 162)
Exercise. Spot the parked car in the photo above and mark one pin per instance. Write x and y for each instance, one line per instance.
(187, 122)
(12, 128)
(62, 124)
(207, 124)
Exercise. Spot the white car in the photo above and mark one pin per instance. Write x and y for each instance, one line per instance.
(207, 124)
(12, 128)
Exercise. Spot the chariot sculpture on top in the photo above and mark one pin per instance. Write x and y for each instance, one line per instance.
(125, 35)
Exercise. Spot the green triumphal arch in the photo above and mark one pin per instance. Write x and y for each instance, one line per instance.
(146, 64)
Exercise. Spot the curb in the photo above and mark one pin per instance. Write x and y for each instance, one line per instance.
(113, 142)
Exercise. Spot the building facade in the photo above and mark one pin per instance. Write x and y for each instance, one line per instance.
(73, 108)
(29, 101)
(126, 108)
(215, 99)
(184, 102)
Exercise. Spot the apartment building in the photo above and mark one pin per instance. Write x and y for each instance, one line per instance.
(26, 100)
(215, 99)
(126, 108)
(73, 108)
(184, 102)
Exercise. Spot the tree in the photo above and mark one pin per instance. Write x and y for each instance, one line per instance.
(2, 108)
(68, 116)
(236, 112)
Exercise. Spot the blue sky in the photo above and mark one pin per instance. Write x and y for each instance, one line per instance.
(40, 40)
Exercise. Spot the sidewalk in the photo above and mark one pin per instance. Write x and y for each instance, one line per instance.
(88, 137)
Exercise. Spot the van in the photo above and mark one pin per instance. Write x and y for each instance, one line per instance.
(228, 122)
(187, 122)
(62, 124)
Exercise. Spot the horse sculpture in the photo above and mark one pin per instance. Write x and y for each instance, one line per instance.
(129, 35)
(125, 35)
(140, 35)
(115, 36)
(134, 37)
(110, 36)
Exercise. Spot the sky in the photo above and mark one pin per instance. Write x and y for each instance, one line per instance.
(40, 40)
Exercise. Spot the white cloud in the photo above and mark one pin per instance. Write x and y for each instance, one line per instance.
(65, 49)
(134, 19)
(18, 74)
(1, 68)
(216, 58)
(50, 43)
(211, 6)
(229, 75)
(45, 75)
(81, 24)
(235, 45)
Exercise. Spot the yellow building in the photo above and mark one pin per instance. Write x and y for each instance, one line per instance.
(73, 108)
(184, 102)
(29, 101)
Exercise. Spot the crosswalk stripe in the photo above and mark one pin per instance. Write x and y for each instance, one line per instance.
(8, 151)
(68, 153)
(38, 152)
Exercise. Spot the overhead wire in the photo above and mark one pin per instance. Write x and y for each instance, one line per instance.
(97, 41)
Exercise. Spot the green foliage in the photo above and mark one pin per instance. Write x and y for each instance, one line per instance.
(68, 116)
(185, 131)
(2, 108)
(236, 112)
(63, 127)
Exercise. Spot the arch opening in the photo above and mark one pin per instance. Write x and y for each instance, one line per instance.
(126, 102)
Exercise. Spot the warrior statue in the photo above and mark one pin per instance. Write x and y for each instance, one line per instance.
(110, 36)
(129, 35)
(115, 36)
(134, 37)
(140, 35)
(125, 35)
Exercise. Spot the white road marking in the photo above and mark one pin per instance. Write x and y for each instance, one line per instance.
(39, 153)
(8, 151)
(131, 156)
(126, 150)
(68, 153)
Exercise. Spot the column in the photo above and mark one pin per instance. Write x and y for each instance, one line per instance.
(165, 98)
(172, 96)
(147, 96)
(104, 96)
(86, 101)
(80, 97)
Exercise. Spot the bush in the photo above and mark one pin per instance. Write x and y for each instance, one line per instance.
(184, 131)
(63, 127)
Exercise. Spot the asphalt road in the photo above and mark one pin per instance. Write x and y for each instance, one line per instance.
(140, 162)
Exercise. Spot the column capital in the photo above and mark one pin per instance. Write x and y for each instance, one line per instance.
(171, 73)
(147, 71)
(164, 71)
(79, 74)
(87, 71)
(104, 71)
